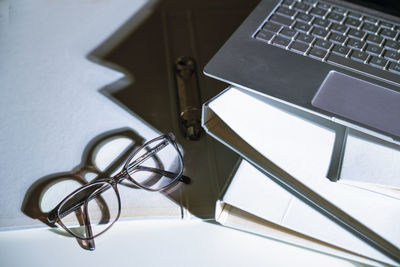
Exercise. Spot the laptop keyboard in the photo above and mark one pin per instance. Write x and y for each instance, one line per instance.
(334, 34)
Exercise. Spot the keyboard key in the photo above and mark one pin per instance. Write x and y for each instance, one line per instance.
(288, 2)
(370, 20)
(304, 38)
(311, 2)
(378, 62)
(299, 47)
(318, 12)
(302, 7)
(388, 33)
(356, 33)
(264, 36)
(355, 15)
(366, 68)
(373, 49)
(335, 17)
(359, 56)
(321, 23)
(339, 10)
(319, 32)
(356, 44)
(391, 55)
(394, 67)
(323, 44)
(304, 17)
(389, 44)
(323, 5)
(337, 38)
(368, 27)
(302, 26)
(387, 24)
(281, 41)
(371, 38)
(271, 27)
(286, 11)
(348, 63)
(281, 20)
(340, 50)
(322, 31)
(355, 23)
(338, 28)
(287, 32)
(317, 53)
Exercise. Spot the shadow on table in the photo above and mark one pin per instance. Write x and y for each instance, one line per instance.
(144, 49)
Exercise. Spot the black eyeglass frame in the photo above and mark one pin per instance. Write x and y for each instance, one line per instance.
(55, 214)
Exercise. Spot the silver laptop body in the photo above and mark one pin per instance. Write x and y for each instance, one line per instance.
(336, 59)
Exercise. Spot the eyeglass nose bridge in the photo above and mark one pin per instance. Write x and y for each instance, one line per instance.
(123, 174)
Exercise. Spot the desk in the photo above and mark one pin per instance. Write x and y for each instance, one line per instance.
(44, 45)
(157, 243)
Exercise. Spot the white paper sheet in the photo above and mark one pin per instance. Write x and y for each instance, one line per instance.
(303, 149)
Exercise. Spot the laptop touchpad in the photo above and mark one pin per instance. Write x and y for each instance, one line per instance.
(360, 101)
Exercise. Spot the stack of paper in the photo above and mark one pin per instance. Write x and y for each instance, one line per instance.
(295, 149)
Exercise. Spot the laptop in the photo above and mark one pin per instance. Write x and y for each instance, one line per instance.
(336, 59)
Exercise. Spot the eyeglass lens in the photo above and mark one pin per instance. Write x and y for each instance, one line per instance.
(98, 201)
(158, 171)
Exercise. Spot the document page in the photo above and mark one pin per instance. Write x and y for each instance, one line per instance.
(303, 148)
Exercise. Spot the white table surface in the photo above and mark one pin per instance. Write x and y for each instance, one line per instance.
(73, 28)
(157, 243)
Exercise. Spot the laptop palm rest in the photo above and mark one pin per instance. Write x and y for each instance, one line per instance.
(360, 101)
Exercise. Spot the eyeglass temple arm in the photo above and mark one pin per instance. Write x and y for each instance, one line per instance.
(171, 175)
(83, 218)
(88, 228)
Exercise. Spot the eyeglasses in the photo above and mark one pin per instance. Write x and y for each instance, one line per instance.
(92, 209)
